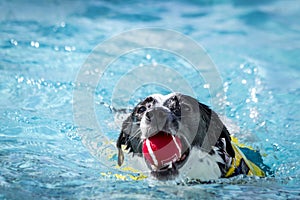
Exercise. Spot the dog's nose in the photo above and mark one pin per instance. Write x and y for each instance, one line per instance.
(158, 113)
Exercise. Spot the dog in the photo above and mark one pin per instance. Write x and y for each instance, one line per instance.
(207, 152)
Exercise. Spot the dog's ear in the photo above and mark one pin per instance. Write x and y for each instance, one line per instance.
(123, 139)
(219, 130)
(210, 130)
(120, 141)
(129, 136)
(124, 135)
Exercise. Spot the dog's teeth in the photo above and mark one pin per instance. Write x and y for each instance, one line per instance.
(173, 132)
(154, 168)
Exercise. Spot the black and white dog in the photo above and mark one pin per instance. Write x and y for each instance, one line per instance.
(207, 150)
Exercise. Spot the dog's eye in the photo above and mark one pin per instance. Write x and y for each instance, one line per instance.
(141, 109)
(176, 111)
(173, 105)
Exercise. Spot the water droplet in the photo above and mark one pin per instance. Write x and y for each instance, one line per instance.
(28, 81)
(154, 63)
(253, 113)
(253, 95)
(67, 48)
(262, 124)
(244, 81)
(35, 44)
(20, 79)
(62, 24)
(70, 48)
(248, 71)
(14, 42)
(258, 82)
(148, 56)
(275, 146)
(206, 86)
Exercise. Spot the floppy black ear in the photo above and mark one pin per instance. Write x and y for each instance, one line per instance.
(123, 137)
(212, 131)
(121, 140)
(129, 136)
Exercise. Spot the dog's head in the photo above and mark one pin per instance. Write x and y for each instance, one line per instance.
(196, 126)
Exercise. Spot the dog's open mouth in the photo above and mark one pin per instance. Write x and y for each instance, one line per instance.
(164, 154)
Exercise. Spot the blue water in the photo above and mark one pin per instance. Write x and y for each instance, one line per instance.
(43, 45)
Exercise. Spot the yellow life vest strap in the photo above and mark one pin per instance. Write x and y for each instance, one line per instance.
(254, 170)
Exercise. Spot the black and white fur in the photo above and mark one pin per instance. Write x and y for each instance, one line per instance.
(207, 152)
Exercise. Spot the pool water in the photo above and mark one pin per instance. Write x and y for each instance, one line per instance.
(255, 46)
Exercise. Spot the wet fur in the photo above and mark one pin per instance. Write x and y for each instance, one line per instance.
(217, 150)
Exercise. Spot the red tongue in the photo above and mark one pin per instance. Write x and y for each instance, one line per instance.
(162, 149)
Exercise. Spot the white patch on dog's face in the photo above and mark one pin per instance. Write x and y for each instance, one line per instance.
(157, 117)
(174, 113)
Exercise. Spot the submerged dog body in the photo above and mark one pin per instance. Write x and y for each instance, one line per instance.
(206, 149)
